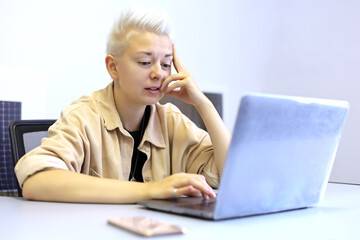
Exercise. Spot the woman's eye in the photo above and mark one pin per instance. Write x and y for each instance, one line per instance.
(166, 65)
(144, 63)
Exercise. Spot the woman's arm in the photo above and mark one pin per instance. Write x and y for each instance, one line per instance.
(68, 186)
(190, 93)
(219, 134)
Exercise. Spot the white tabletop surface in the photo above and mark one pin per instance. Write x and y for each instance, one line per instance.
(336, 217)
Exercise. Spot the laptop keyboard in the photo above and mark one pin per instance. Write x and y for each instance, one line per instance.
(205, 205)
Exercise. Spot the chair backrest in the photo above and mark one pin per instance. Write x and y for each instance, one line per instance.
(25, 135)
(190, 111)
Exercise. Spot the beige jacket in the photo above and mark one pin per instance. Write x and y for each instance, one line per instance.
(89, 138)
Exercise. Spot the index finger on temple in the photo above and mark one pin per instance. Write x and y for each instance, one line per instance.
(177, 64)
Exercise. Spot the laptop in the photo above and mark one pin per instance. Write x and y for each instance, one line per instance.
(280, 158)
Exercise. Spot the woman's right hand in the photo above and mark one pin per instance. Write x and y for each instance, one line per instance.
(181, 184)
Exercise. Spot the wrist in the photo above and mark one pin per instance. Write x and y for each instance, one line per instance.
(204, 105)
(147, 190)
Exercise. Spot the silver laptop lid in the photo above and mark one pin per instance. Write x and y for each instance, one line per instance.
(283, 150)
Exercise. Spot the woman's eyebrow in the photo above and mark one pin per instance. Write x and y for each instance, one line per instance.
(150, 54)
(146, 53)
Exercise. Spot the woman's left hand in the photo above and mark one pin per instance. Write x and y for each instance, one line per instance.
(183, 84)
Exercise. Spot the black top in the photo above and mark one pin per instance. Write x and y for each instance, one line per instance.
(141, 157)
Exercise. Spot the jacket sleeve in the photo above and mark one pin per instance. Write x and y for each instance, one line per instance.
(192, 148)
(65, 148)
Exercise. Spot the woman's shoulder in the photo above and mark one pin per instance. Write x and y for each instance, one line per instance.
(88, 104)
(172, 115)
(169, 111)
(167, 108)
(79, 106)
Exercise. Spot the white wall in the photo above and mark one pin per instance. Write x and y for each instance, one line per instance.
(52, 52)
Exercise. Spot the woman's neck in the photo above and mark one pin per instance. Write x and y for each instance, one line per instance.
(130, 114)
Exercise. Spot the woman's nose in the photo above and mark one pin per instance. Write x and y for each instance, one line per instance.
(156, 72)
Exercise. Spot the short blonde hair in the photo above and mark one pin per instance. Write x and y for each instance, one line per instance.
(140, 19)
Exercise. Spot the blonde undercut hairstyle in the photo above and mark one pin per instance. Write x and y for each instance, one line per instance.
(134, 20)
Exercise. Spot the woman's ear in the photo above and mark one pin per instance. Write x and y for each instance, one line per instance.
(111, 66)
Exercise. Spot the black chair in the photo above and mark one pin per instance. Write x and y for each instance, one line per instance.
(190, 111)
(26, 135)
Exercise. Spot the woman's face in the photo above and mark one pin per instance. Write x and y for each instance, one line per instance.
(145, 63)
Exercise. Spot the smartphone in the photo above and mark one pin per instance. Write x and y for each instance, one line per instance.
(146, 226)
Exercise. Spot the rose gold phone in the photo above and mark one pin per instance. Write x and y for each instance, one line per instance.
(146, 226)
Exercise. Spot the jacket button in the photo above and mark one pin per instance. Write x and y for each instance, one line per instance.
(147, 179)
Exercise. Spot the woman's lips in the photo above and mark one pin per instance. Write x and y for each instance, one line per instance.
(153, 90)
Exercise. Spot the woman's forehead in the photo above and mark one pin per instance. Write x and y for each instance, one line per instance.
(149, 42)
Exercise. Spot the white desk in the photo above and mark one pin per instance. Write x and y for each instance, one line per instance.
(336, 217)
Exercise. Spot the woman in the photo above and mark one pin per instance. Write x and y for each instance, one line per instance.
(120, 145)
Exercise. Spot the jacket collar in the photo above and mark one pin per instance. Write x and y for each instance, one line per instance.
(106, 105)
